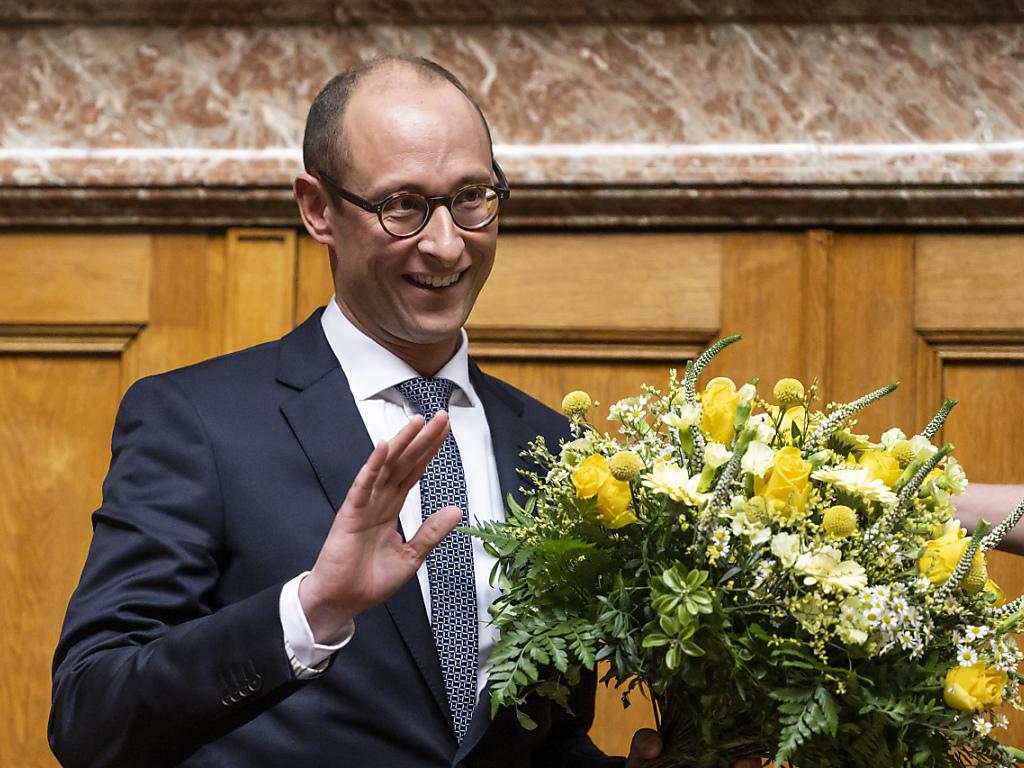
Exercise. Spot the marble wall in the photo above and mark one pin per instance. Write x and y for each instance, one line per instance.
(649, 118)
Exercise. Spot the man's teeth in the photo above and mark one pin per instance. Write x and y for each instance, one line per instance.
(436, 282)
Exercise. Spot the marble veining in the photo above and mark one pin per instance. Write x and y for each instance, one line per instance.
(724, 103)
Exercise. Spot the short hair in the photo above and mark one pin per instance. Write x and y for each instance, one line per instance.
(323, 143)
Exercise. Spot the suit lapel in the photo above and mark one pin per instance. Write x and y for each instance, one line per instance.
(325, 421)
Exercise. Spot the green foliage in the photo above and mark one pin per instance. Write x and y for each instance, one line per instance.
(803, 712)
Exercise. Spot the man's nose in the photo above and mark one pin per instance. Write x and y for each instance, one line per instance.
(441, 238)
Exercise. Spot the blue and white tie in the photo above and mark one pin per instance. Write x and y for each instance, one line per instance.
(450, 565)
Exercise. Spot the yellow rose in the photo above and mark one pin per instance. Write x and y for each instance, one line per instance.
(718, 409)
(941, 556)
(589, 475)
(593, 478)
(787, 481)
(974, 688)
(881, 465)
(613, 499)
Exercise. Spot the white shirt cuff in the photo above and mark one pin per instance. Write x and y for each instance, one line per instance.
(307, 657)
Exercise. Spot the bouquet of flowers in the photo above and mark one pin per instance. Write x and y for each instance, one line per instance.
(775, 583)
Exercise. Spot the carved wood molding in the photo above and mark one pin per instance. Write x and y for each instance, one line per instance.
(547, 207)
(596, 345)
(67, 339)
(988, 345)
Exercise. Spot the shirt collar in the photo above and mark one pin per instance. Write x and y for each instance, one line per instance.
(373, 371)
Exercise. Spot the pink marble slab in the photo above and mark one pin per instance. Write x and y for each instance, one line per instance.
(805, 104)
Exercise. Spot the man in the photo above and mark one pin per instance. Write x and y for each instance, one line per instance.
(249, 598)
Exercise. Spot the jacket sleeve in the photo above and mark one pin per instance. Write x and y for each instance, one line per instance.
(148, 667)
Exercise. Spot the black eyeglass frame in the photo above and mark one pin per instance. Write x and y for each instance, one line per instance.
(502, 190)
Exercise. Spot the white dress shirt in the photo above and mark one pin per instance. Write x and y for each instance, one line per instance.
(372, 373)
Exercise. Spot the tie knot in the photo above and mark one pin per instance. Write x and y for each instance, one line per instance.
(428, 396)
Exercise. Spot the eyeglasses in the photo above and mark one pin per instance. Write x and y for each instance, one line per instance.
(404, 214)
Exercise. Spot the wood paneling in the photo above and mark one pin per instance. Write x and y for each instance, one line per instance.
(82, 316)
(74, 279)
(260, 298)
(969, 283)
(55, 417)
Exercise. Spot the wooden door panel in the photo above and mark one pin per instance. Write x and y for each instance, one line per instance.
(55, 416)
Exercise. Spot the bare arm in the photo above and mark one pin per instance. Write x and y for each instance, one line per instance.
(992, 502)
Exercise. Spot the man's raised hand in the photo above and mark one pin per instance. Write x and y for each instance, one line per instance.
(364, 561)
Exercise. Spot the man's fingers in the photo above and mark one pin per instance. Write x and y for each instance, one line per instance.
(362, 487)
(433, 530)
(408, 467)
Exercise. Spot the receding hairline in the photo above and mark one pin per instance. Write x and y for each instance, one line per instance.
(324, 146)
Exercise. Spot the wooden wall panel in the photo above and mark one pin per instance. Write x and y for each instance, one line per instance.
(872, 336)
(74, 279)
(55, 417)
(260, 296)
(773, 296)
(969, 283)
(82, 316)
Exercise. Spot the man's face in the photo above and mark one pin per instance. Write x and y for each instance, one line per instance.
(413, 293)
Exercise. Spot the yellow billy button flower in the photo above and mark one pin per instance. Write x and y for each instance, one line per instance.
(787, 481)
(903, 452)
(625, 465)
(881, 466)
(593, 478)
(576, 403)
(788, 392)
(839, 521)
(976, 578)
(974, 688)
(718, 412)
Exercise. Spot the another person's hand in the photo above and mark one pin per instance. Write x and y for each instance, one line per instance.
(646, 745)
(364, 561)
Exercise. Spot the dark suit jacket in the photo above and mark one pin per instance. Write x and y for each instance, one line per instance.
(224, 479)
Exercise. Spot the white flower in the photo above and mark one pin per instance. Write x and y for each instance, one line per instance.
(671, 480)
(761, 422)
(787, 547)
(922, 584)
(953, 473)
(981, 725)
(1001, 720)
(966, 657)
(856, 481)
(758, 459)
(975, 633)
(906, 639)
(826, 567)
(747, 393)
(921, 447)
(756, 533)
(716, 454)
(891, 437)
(684, 417)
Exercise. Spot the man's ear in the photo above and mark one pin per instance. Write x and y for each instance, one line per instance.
(314, 208)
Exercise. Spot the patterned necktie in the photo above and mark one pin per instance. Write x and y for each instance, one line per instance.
(450, 565)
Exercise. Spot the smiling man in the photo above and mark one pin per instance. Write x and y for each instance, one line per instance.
(274, 577)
